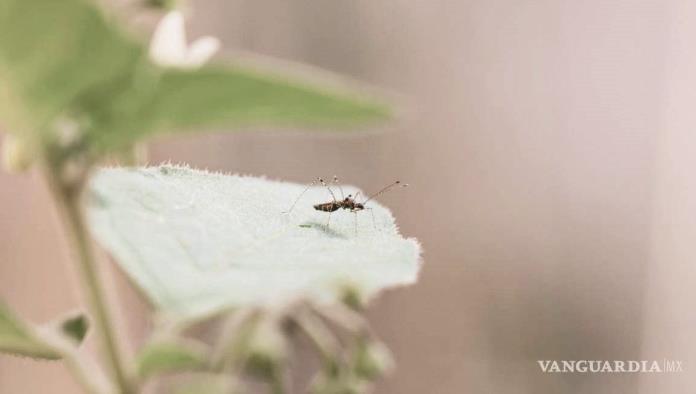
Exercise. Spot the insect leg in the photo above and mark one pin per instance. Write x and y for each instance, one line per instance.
(314, 182)
(328, 188)
(372, 213)
(338, 185)
(328, 220)
(374, 223)
(356, 222)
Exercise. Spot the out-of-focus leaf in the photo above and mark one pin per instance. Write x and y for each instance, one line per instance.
(172, 355)
(75, 327)
(266, 350)
(162, 4)
(51, 53)
(17, 337)
(235, 97)
(372, 359)
(197, 242)
(208, 384)
(342, 382)
(66, 59)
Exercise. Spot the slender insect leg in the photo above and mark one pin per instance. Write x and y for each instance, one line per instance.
(338, 185)
(328, 188)
(356, 222)
(374, 223)
(314, 182)
(328, 220)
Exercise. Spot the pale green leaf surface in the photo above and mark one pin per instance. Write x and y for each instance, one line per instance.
(170, 356)
(198, 242)
(19, 338)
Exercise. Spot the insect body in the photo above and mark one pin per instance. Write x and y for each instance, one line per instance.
(328, 206)
(346, 202)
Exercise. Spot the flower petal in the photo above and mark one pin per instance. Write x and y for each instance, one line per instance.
(168, 45)
(201, 51)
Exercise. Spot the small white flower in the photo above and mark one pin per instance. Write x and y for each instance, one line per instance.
(168, 47)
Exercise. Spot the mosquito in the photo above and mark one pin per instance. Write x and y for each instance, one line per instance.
(349, 202)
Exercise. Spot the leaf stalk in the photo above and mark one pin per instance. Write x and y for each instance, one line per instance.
(67, 196)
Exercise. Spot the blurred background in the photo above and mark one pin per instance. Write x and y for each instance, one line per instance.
(551, 151)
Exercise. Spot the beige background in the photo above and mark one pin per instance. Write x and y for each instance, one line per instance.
(550, 151)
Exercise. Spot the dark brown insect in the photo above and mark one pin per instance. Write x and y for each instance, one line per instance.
(346, 202)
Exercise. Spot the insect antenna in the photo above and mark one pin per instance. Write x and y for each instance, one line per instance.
(386, 189)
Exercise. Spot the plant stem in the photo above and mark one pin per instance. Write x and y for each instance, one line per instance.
(321, 336)
(67, 198)
(82, 367)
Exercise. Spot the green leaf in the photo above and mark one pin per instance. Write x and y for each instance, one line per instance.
(234, 97)
(344, 382)
(170, 356)
(209, 384)
(53, 52)
(198, 242)
(266, 350)
(372, 359)
(65, 59)
(19, 338)
(75, 327)
(162, 4)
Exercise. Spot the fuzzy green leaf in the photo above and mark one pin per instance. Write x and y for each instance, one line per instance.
(17, 337)
(198, 242)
